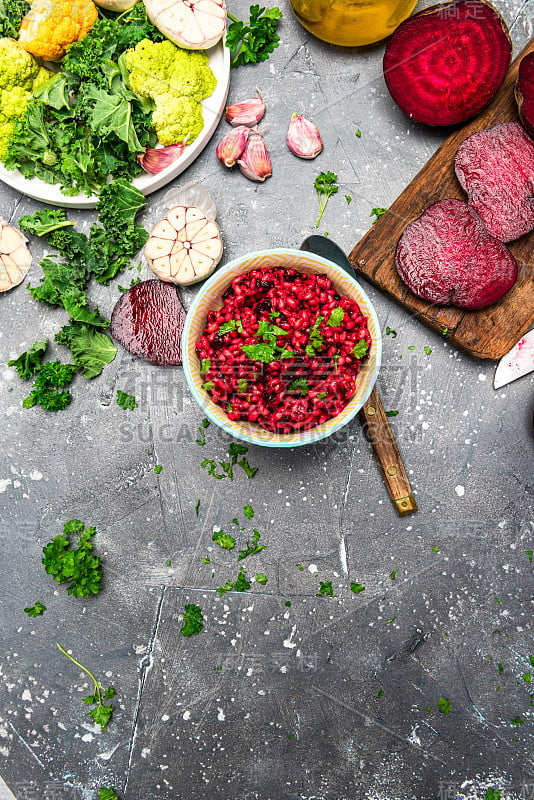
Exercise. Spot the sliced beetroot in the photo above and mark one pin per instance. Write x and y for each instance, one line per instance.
(445, 63)
(447, 257)
(524, 93)
(148, 321)
(495, 168)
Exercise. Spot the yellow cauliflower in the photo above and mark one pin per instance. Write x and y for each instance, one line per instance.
(20, 76)
(51, 26)
(175, 80)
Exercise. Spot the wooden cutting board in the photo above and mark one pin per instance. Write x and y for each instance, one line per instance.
(488, 333)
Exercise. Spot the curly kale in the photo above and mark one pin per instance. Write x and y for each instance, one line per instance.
(11, 15)
(49, 387)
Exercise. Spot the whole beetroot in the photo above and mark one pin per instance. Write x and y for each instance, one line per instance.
(495, 167)
(448, 257)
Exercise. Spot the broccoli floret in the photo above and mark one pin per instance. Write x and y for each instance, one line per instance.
(175, 80)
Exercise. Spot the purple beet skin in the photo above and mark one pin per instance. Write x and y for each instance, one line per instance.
(524, 93)
(148, 321)
(495, 168)
(448, 257)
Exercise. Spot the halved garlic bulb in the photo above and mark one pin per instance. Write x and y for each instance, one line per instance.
(15, 258)
(185, 247)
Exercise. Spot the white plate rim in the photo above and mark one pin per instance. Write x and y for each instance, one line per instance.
(213, 106)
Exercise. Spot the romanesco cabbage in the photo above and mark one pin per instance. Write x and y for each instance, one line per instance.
(175, 81)
(20, 75)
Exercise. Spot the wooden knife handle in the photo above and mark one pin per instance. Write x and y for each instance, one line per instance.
(379, 433)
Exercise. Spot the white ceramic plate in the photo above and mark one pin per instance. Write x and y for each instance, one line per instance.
(219, 61)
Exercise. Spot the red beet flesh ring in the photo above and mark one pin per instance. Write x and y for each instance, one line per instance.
(148, 321)
(447, 257)
(495, 168)
(444, 64)
(524, 93)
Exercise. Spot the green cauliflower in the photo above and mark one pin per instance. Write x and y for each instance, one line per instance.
(20, 76)
(174, 81)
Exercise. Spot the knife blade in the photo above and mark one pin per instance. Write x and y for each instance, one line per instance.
(518, 362)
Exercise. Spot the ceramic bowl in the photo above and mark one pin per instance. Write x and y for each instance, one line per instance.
(209, 297)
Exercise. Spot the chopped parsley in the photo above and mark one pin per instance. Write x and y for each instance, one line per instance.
(201, 441)
(336, 317)
(105, 793)
(325, 589)
(359, 349)
(76, 566)
(435, 549)
(517, 721)
(493, 794)
(36, 610)
(393, 574)
(444, 705)
(224, 540)
(377, 212)
(158, 468)
(428, 349)
(300, 385)
(193, 620)
(529, 553)
(226, 327)
(102, 712)
(261, 578)
(391, 413)
(444, 331)
(253, 41)
(358, 134)
(241, 584)
(126, 401)
(391, 332)
(197, 507)
(251, 547)
(325, 186)
(205, 365)
(348, 198)
(248, 511)
(299, 566)
(315, 341)
(242, 385)
(207, 386)
(357, 588)
(288, 603)
(380, 693)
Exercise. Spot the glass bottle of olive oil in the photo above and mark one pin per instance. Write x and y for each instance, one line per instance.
(352, 22)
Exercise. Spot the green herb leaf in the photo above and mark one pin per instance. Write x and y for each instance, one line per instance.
(224, 540)
(29, 363)
(377, 212)
(105, 793)
(193, 620)
(428, 350)
(226, 327)
(265, 353)
(158, 468)
(248, 511)
(336, 317)
(126, 401)
(360, 349)
(391, 332)
(391, 413)
(205, 364)
(529, 553)
(261, 578)
(358, 133)
(102, 713)
(325, 589)
(492, 794)
(241, 584)
(36, 610)
(517, 721)
(197, 507)
(251, 547)
(435, 549)
(348, 198)
(249, 471)
(325, 186)
(254, 41)
(444, 705)
(76, 566)
(299, 386)
(357, 588)
(393, 574)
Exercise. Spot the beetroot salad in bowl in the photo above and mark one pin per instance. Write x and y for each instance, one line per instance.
(281, 348)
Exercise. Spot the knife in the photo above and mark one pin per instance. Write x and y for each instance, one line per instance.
(518, 362)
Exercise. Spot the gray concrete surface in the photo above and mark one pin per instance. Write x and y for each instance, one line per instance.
(328, 698)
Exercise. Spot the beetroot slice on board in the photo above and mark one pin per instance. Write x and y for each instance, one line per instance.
(444, 64)
(148, 321)
(447, 257)
(524, 93)
(495, 168)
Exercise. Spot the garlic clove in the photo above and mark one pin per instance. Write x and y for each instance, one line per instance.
(164, 230)
(303, 137)
(176, 216)
(231, 146)
(15, 258)
(247, 112)
(255, 163)
(155, 247)
(157, 159)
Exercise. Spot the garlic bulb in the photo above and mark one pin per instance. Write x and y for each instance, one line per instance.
(15, 258)
(185, 247)
(116, 5)
(191, 194)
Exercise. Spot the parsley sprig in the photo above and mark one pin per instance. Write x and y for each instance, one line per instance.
(77, 565)
(193, 620)
(101, 714)
(254, 41)
(325, 186)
